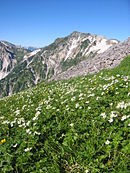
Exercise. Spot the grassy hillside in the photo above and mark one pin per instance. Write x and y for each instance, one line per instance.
(80, 125)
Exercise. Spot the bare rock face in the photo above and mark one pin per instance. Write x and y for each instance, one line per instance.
(7, 60)
(68, 51)
(106, 60)
(10, 55)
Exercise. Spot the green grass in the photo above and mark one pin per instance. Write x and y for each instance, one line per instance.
(78, 125)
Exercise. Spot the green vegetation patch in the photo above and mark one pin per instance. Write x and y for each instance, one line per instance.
(78, 125)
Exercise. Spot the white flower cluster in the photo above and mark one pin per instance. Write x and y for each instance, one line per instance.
(103, 115)
(28, 131)
(122, 105)
(112, 115)
(6, 122)
(27, 149)
(36, 133)
(124, 117)
(17, 112)
(91, 95)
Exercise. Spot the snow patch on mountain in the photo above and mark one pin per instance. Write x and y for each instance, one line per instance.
(101, 45)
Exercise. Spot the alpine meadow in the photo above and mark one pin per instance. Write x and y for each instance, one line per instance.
(76, 125)
(65, 86)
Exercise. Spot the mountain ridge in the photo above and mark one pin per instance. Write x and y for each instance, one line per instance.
(48, 62)
(108, 59)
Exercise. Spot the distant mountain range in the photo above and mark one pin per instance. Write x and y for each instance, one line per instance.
(73, 55)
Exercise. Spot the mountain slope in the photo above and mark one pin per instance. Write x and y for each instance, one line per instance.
(108, 59)
(54, 59)
(79, 125)
(10, 56)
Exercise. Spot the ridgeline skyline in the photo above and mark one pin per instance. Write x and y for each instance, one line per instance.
(39, 23)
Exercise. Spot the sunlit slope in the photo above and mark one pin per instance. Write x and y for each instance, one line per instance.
(77, 125)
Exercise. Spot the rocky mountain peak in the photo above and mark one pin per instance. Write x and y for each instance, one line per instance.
(29, 68)
(77, 34)
(104, 60)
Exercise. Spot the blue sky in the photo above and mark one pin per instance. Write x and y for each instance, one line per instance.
(40, 22)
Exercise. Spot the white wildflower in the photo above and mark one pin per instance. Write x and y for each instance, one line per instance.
(111, 104)
(77, 105)
(107, 142)
(23, 107)
(48, 107)
(5, 122)
(125, 78)
(81, 94)
(122, 105)
(28, 131)
(116, 81)
(15, 145)
(36, 116)
(111, 120)
(91, 95)
(73, 98)
(81, 98)
(102, 93)
(97, 98)
(103, 115)
(87, 102)
(72, 124)
(37, 113)
(12, 124)
(112, 77)
(37, 133)
(113, 114)
(89, 107)
(123, 118)
(17, 112)
(27, 124)
(34, 124)
(27, 149)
